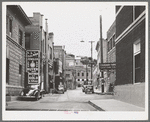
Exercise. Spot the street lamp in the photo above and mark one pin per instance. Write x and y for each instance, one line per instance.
(91, 58)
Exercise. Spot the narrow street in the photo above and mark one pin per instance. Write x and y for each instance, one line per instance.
(71, 100)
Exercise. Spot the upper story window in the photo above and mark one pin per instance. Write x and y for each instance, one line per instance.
(138, 10)
(27, 41)
(50, 53)
(67, 75)
(111, 42)
(9, 25)
(78, 74)
(82, 74)
(20, 37)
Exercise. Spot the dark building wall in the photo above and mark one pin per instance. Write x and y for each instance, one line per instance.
(117, 8)
(124, 55)
(124, 19)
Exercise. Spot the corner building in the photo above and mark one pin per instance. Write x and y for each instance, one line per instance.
(130, 54)
(16, 20)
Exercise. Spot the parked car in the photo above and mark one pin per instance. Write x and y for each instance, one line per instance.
(83, 88)
(60, 89)
(89, 88)
(32, 92)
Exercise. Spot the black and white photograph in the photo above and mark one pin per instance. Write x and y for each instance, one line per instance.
(77, 60)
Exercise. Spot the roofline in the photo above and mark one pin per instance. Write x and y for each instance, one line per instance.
(22, 11)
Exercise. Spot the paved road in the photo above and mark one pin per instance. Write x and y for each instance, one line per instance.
(71, 100)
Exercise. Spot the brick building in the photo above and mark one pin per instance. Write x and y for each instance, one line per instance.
(35, 41)
(16, 20)
(111, 55)
(99, 74)
(70, 71)
(60, 64)
(83, 72)
(130, 54)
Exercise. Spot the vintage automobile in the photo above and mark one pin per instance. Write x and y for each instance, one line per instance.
(60, 89)
(83, 88)
(32, 92)
(89, 88)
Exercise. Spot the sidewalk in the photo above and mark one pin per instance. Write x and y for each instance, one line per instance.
(114, 105)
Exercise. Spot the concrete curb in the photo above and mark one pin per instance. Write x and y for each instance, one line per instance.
(105, 93)
(95, 106)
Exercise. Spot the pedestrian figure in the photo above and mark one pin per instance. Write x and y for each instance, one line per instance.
(103, 81)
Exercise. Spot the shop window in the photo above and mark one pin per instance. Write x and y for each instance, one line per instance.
(7, 70)
(137, 68)
(137, 61)
(20, 37)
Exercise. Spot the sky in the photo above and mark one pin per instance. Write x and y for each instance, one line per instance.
(72, 22)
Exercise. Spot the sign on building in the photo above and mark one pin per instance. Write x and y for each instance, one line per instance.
(107, 66)
(33, 66)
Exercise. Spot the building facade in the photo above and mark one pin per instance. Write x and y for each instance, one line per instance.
(83, 72)
(99, 60)
(35, 41)
(59, 55)
(130, 54)
(70, 71)
(111, 55)
(16, 20)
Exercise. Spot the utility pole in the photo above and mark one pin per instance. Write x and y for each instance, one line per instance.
(101, 39)
(46, 56)
(101, 45)
(91, 59)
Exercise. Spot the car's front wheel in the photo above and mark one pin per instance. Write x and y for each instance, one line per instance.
(37, 96)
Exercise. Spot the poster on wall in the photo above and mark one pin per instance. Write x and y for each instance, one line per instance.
(33, 66)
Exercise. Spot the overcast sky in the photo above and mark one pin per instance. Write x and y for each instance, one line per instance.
(72, 22)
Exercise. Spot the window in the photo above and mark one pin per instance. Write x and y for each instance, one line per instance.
(78, 74)
(113, 40)
(82, 74)
(87, 74)
(50, 53)
(20, 75)
(67, 75)
(10, 27)
(27, 41)
(7, 70)
(137, 68)
(20, 37)
(82, 79)
(137, 61)
(138, 10)
(78, 79)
